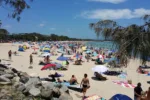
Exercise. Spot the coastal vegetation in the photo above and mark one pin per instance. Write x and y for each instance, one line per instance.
(133, 40)
(5, 35)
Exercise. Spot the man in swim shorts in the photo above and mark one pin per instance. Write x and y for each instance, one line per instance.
(85, 84)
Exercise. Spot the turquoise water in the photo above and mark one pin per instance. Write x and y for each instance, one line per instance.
(104, 44)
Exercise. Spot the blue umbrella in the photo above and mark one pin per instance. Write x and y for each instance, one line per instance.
(120, 97)
(61, 58)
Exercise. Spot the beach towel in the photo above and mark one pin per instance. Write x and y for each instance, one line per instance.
(71, 86)
(94, 97)
(124, 84)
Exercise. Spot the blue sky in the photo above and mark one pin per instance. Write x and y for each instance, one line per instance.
(72, 17)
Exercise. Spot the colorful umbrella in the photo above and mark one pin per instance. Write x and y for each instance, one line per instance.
(48, 66)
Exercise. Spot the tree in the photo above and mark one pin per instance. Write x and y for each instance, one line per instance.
(103, 27)
(3, 34)
(17, 7)
(132, 40)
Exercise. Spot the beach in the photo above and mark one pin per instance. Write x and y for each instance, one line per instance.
(106, 89)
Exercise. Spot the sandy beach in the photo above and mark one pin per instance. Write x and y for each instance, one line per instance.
(106, 89)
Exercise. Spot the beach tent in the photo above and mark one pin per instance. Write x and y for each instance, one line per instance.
(61, 58)
(100, 69)
(46, 50)
(48, 66)
(120, 97)
(21, 49)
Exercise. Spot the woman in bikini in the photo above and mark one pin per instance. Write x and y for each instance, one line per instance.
(85, 84)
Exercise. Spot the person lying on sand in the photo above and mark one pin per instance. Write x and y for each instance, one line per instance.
(140, 70)
(73, 80)
(55, 75)
(99, 76)
(77, 62)
(59, 81)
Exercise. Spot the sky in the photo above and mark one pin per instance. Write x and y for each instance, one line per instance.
(72, 17)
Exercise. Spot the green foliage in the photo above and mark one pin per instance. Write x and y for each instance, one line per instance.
(35, 37)
(17, 7)
(132, 40)
(3, 34)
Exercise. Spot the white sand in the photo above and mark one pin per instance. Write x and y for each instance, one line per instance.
(105, 89)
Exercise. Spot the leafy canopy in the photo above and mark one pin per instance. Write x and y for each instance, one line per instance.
(131, 40)
(16, 7)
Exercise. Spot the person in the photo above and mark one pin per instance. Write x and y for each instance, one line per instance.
(73, 80)
(137, 91)
(58, 80)
(31, 59)
(148, 94)
(9, 54)
(87, 57)
(143, 96)
(15, 53)
(140, 70)
(98, 61)
(85, 84)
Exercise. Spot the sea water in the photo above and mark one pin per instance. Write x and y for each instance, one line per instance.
(102, 44)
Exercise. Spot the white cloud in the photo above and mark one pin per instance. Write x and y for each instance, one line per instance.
(7, 26)
(108, 1)
(115, 13)
(52, 29)
(41, 25)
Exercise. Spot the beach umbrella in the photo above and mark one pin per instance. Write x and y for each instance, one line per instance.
(46, 50)
(46, 54)
(48, 66)
(120, 97)
(100, 69)
(61, 58)
(58, 65)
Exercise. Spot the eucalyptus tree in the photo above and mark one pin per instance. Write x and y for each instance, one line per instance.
(133, 40)
(15, 7)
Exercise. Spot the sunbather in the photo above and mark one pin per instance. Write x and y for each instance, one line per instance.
(55, 75)
(98, 61)
(140, 70)
(59, 81)
(73, 80)
(77, 62)
(99, 76)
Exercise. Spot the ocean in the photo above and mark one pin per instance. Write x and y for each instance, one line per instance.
(102, 44)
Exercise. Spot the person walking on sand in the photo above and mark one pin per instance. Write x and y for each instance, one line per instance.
(31, 59)
(137, 92)
(9, 54)
(85, 84)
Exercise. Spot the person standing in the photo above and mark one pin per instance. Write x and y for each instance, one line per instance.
(31, 59)
(137, 91)
(85, 84)
(9, 54)
(148, 94)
